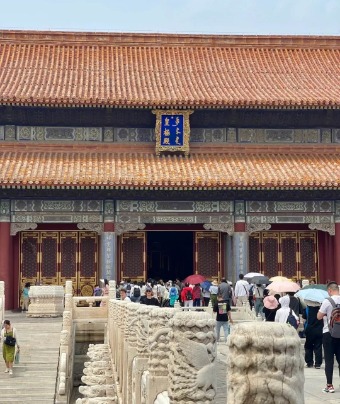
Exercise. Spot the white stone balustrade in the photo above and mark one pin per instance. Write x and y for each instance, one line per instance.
(46, 301)
(265, 364)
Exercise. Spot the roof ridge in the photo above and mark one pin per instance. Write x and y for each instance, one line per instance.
(158, 39)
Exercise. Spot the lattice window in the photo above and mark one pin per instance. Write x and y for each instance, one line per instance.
(289, 262)
(254, 253)
(308, 265)
(49, 256)
(207, 254)
(88, 253)
(68, 252)
(270, 264)
(132, 250)
(29, 251)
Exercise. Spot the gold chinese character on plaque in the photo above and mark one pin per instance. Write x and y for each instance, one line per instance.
(172, 131)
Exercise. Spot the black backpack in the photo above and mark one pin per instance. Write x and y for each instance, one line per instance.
(188, 295)
(292, 320)
(136, 291)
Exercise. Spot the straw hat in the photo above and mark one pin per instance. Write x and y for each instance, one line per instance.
(214, 282)
(270, 302)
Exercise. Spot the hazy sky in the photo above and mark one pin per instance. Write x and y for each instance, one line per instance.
(313, 17)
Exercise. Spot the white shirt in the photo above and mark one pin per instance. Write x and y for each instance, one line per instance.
(326, 308)
(213, 289)
(241, 288)
(127, 299)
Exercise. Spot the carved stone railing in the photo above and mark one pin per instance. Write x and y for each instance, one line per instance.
(140, 336)
(46, 301)
(265, 364)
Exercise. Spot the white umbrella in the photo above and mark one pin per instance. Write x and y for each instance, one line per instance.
(252, 274)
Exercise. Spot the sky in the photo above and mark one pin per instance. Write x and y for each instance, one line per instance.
(249, 17)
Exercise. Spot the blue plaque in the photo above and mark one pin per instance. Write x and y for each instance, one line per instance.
(172, 130)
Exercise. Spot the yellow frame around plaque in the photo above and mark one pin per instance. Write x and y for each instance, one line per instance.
(186, 133)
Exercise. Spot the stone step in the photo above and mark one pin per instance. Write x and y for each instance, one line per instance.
(34, 378)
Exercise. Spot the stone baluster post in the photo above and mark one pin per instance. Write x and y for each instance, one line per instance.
(157, 380)
(192, 369)
(140, 362)
(130, 347)
(265, 364)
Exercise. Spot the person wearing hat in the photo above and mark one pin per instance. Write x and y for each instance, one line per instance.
(270, 307)
(148, 298)
(213, 292)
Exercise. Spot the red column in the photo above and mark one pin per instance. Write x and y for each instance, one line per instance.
(6, 269)
(337, 253)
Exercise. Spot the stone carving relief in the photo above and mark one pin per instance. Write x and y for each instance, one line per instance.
(121, 228)
(41, 133)
(97, 227)
(254, 227)
(327, 227)
(210, 135)
(223, 227)
(10, 132)
(98, 377)
(278, 348)
(192, 358)
(16, 227)
(5, 210)
(290, 206)
(174, 206)
(125, 135)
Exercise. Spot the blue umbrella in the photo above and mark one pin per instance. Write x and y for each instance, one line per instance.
(206, 285)
(313, 295)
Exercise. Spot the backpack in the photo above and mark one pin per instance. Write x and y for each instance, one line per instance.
(136, 291)
(173, 292)
(188, 295)
(334, 321)
(97, 292)
(292, 320)
(128, 287)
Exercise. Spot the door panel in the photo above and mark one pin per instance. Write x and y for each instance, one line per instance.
(290, 254)
(52, 257)
(87, 262)
(207, 254)
(132, 256)
(29, 257)
(49, 274)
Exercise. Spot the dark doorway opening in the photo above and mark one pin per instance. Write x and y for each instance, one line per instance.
(170, 254)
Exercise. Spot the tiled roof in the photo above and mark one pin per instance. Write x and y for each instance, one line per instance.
(159, 70)
(107, 166)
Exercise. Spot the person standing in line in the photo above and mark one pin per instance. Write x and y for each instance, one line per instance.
(196, 295)
(213, 292)
(97, 292)
(223, 310)
(225, 290)
(148, 298)
(105, 290)
(270, 308)
(258, 299)
(186, 296)
(313, 331)
(283, 312)
(123, 296)
(331, 345)
(25, 296)
(173, 295)
(8, 351)
(241, 291)
(206, 297)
